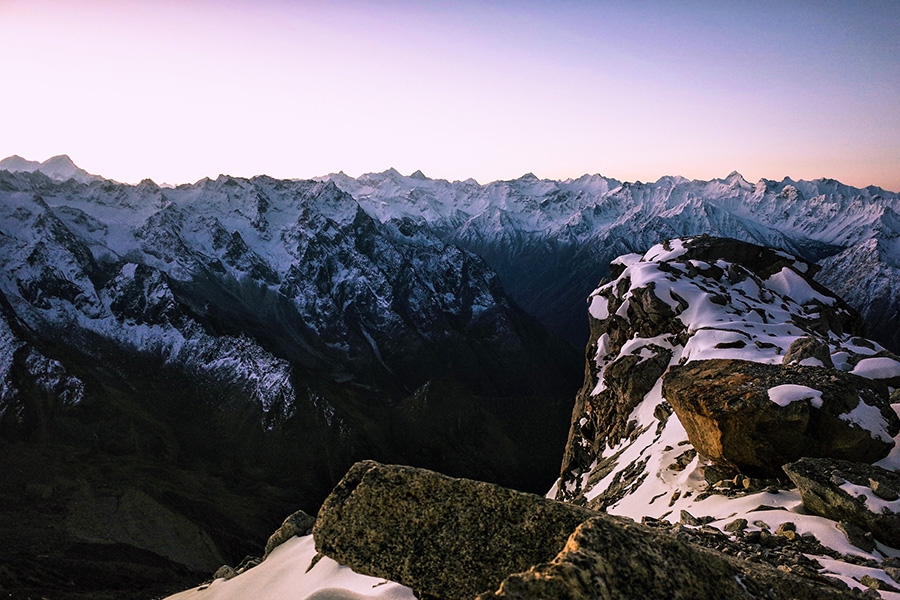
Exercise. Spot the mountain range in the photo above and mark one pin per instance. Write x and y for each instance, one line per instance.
(264, 333)
(227, 349)
(552, 241)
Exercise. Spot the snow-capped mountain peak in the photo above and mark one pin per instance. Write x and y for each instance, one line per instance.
(58, 168)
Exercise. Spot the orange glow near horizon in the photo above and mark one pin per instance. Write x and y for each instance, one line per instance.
(176, 91)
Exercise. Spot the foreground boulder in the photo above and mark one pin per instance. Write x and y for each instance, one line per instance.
(450, 538)
(614, 559)
(863, 495)
(457, 538)
(756, 417)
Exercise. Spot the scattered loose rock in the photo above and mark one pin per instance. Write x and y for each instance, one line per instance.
(893, 573)
(877, 584)
(225, 572)
(816, 480)
(608, 558)
(883, 490)
(736, 525)
(298, 523)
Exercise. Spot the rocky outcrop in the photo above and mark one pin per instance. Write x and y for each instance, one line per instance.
(756, 417)
(863, 495)
(689, 301)
(299, 523)
(449, 538)
(808, 351)
(614, 559)
(456, 538)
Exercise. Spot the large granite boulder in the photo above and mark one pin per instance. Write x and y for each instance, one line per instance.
(613, 559)
(450, 538)
(756, 417)
(456, 538)
(863, 495)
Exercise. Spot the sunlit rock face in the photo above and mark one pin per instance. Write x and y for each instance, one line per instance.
(756, 417)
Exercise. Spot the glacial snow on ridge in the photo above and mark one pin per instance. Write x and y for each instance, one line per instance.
(550, 241)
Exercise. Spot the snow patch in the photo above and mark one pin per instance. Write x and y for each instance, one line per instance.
(788, 282)
(877, 368)
(782, 395)
(284, 576)
(599, 308)
(659, 252)
(870, 419)
(873, 503)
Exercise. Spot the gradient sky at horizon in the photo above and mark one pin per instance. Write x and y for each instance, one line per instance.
(179, 90)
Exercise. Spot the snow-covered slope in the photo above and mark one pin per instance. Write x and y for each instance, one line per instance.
(291, 572)
(629, 455)
(550, 241)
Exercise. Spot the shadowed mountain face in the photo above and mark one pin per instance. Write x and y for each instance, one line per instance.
(255, 337)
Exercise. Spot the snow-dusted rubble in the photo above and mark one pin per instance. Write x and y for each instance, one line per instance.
(723, 311)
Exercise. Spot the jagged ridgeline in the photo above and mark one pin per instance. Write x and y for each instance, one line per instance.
(552, 241)
(226, 350)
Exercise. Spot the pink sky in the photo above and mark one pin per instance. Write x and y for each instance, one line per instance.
(176, 91)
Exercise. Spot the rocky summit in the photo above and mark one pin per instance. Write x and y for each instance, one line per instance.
(736, 437)
(734, 339)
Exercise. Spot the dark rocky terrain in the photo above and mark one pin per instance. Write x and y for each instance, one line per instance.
(735, 438)
(226, 350)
